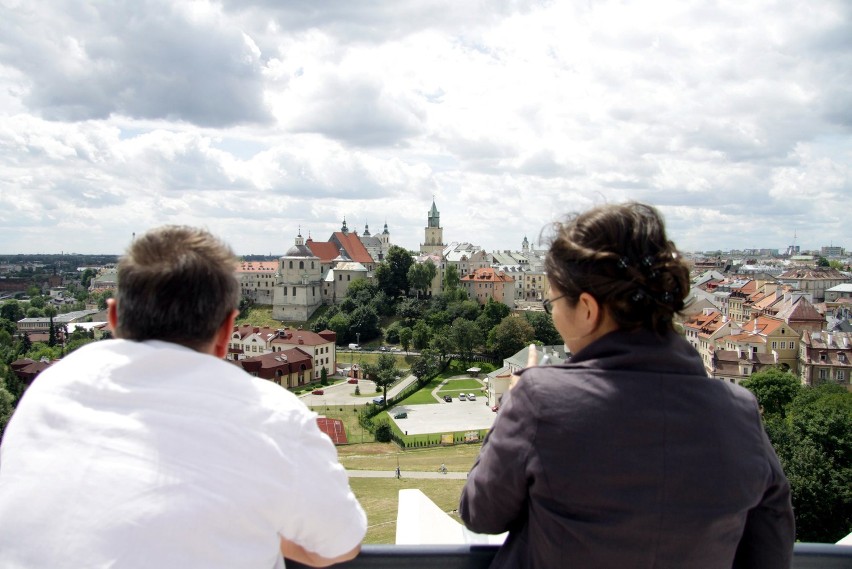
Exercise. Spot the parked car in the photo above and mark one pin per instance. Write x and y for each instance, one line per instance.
(352, 380)
(401, 415)
(378, 400)
(383, 349)
(318, 392)
(471, 396)
(462, 397)
(448, 398)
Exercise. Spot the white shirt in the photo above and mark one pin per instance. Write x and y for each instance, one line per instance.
(149, 454)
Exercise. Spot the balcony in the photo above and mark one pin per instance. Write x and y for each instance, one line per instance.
(427, 538)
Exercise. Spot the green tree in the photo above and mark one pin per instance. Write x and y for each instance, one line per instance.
(87, 276)
(409, 310)
(33, 312)
(50, 311)
(545, 331)
(405, 335)
(37, 302)
(823, 262)
(835, 264)
(774, 389)
(324, 375)
(11, 310)
(339, 324)
(384, 372)
(364, 321)
(510, 336)
(814, 443)
(421, 334)
(33, 291)
(495, 311)
(466, 336)
(425, 366)
(420, 275)
(451, 277)
(441, 342)
(51, 335)
(392, 333)
(392, 273)
(7, 406)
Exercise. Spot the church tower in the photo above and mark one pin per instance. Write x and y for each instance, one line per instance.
(434, 233)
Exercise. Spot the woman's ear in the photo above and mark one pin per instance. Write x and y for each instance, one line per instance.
(588, 311)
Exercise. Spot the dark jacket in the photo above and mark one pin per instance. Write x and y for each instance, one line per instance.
(630, 456)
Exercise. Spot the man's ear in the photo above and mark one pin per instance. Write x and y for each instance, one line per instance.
(223, 335)
(112, 315)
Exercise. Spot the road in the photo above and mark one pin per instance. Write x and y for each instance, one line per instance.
(343, 393)
(404, 474)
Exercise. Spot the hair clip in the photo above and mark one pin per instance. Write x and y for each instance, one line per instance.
(638, 296)
(668, 298)
(623, 263)
(648, 261)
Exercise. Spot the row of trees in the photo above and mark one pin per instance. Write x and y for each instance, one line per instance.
(811, 431)
(448, 323)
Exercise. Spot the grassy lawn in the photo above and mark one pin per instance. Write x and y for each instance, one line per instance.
(386, 456)
(422, 397)
(349, 415)
(454, 385)
(346, 357)
(380, 499)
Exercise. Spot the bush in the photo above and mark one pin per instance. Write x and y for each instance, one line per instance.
(384, 433)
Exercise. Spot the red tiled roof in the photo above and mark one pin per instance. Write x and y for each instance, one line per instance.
(353, 246)
(257, 267)
(288, 361)
(487, 274)
(324, 250)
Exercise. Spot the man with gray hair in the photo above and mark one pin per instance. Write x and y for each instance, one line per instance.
(150, 450)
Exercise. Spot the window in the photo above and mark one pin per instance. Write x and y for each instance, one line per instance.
(792, 345)
(348, 277)
(838, 375)
(301, 264)
(340, 277)
(294, 291)
(823, 373)
(774, 345)
(291, 264)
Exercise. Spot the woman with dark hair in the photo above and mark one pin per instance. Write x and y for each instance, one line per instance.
(628, 455)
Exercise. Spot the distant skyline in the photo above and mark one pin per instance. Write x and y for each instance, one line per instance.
(257, 118)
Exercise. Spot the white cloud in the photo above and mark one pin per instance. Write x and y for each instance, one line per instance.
(257, 118)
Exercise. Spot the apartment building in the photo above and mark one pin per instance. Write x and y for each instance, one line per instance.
(826, 356)
(250, 341)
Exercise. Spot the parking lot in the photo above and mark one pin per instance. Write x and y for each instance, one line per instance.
(444, 417)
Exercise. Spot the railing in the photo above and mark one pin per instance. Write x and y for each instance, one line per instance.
(805, 556)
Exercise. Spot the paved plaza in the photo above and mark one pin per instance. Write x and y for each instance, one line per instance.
(444, 417)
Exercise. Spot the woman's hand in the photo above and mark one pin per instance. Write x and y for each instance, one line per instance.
(532, 359)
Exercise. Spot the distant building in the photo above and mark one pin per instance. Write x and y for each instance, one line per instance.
(251, 341)
(832, 251)
(813, 280)
(257, 280)
(298, 291)
(433, 232)
(483, 284)
(826, 357)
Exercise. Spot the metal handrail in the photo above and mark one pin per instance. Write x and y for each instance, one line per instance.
(805, 556)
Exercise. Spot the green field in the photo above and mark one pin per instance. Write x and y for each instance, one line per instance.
(380, 499)
(455, 385)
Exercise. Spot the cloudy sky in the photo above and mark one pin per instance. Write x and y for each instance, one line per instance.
(257, 118)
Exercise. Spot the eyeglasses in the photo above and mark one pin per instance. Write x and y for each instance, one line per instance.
(547, 303)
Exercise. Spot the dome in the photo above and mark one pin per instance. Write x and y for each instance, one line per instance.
(298, 251)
